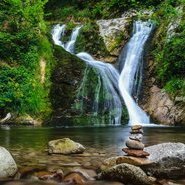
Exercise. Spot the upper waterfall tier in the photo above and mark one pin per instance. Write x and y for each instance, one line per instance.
(132, 56)
(105, 96)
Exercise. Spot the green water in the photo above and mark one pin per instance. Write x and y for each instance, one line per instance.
(97, 137)
(28, 145)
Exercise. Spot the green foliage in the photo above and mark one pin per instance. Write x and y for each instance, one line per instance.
(169, 46)
(175, 86)
(23, 44)
(90, 41)
(81, 10)
(20, 91)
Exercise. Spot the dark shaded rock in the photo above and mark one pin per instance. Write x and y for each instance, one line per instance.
(64, 146)
(26, 172)
(168, 158)
(103, 183)
(133, 144)
(128, 174)
(140, 131)
(30, 182)
(66, 79)
(135, 153)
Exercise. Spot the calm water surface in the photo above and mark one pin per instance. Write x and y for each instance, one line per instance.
(28, 144)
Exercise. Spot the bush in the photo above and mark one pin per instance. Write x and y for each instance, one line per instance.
(169, 47)
(23, 44)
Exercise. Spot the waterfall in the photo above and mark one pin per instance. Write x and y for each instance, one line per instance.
(107, 82)
(131, 59)
(57, 33)
(71, 44)
(109, 76)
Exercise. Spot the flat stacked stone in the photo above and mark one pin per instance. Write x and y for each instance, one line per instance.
(134, 143)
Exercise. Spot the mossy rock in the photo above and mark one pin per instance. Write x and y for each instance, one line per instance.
(65, 146)
(66, 79)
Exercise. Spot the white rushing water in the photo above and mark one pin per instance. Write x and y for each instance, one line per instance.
(70, 45)
(107, 77)
(133, 54)
(57, 33)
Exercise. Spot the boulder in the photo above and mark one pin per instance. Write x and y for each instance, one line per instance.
(168, 158)
(65, 146)
(133, 144)
(126, 173)
(111, 30)
(8, 167)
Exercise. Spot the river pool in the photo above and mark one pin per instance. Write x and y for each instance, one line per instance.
(28, 145)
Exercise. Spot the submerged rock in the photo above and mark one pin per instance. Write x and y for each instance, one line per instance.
(77, 177)
(56, 176)
(128, 174)
(65, 146)
(168, 158)
(8, 167)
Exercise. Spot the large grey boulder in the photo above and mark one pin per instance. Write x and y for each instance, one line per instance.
(65, 146)
(168, 160)
(128, 174)
(111, 30)
(8, 167)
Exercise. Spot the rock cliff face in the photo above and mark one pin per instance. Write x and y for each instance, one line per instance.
(66, 80)
(114, 33)
(157, 103)
(162, 109)
(69, 75)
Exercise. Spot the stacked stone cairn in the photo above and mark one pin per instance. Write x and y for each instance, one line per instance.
(134, 143)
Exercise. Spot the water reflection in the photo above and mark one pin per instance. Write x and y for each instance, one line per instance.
(28, 145)
(106, 137)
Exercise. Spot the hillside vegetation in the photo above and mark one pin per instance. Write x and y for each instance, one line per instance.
(23, 44)
(25, 33)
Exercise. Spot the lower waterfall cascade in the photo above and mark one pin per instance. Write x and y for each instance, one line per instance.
(117, 85)
(132, 56)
